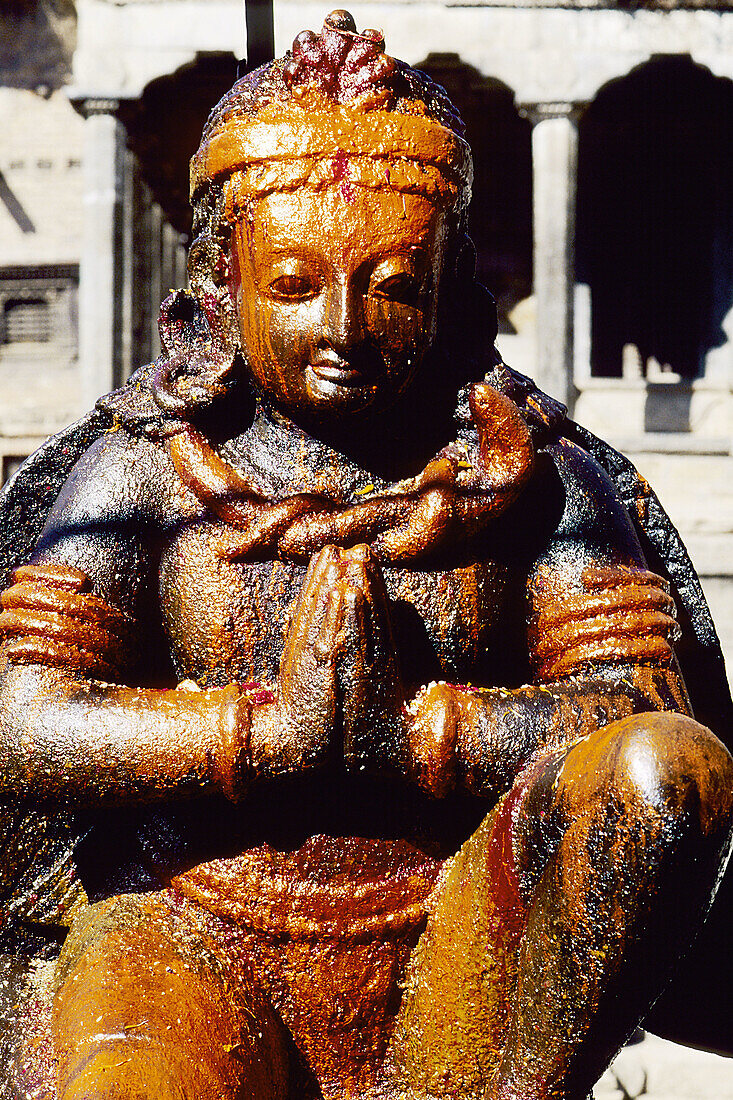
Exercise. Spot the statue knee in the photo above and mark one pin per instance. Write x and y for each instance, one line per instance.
(142, 1009)
(673, 764)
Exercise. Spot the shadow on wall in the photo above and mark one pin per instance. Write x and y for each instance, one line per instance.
(655, 215)
(164, 127)
(37, 42)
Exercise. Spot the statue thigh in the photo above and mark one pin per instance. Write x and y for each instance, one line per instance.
(148, 1003)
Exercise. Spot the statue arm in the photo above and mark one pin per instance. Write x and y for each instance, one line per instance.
(69, 739)
(600, 629)
(71, 731)
(480, 739)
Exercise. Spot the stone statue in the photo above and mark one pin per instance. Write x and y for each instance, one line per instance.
(340, 706)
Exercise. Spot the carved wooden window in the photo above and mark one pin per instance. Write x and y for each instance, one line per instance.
(38, 308)
(27, 320)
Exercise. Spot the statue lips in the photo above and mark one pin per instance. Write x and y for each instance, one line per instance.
(339, 372)
(362, 369)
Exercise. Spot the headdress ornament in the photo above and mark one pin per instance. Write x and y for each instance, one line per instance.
(339, 119)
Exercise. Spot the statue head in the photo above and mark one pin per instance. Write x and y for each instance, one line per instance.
(330, 195)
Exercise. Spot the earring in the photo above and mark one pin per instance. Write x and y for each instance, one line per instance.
(195, 364)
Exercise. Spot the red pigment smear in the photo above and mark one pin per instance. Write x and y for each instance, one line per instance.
(340, 171)
(467, 689)
(500, 860)
(259, 693)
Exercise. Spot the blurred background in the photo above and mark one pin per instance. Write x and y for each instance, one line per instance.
(603, 206)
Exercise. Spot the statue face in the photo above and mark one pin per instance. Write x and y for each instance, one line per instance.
(337, 296)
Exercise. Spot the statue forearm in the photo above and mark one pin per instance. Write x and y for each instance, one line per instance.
(479, 739)
(69, 740)
(69, 735)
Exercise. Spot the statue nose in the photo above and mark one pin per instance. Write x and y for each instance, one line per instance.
(344, 322)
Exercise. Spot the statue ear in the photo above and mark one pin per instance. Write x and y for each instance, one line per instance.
(198, 357)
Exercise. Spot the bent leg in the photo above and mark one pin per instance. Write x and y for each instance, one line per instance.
(559, 921)
(635, 820)
(461, 979)
(148, 1004)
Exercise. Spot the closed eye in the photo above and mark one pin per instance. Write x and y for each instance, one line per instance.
(401, 287)
(292, 288)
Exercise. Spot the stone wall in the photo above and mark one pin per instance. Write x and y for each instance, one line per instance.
(41, 165)
(40, 234)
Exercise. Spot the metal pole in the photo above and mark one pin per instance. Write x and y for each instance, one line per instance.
(260, 32)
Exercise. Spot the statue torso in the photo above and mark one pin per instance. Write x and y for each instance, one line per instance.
(372, 845)
(227, 619)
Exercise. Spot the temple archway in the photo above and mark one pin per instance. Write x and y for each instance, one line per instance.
(501, 211)
(655, 216)
(164, 128)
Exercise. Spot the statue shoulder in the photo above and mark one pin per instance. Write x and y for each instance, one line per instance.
(592, 521)
(572, 507)
(100, 513)
(121, 476)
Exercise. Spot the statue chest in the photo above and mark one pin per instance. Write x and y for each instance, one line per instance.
(227, 619)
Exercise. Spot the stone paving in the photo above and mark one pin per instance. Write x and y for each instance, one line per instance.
(656, 1069)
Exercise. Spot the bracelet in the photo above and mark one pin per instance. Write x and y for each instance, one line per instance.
(234, 758)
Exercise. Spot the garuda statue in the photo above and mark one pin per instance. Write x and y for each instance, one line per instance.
(345, 748)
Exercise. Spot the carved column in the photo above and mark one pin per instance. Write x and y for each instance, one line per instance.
(554, 171)
(101, 276)
(155, 244)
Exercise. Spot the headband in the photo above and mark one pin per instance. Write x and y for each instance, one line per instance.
(311, 141)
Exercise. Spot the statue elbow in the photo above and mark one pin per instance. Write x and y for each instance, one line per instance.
(28, 752)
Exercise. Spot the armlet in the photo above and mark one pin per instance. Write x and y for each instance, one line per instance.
(51, 617)
(623, 615)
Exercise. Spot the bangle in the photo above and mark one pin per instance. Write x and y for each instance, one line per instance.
(234, 759)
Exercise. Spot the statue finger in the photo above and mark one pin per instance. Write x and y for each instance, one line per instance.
(309, 612)
(330, 640)
(362, 570)
(356, 618)
(322, 573)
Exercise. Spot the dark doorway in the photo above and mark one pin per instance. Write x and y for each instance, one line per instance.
(655, 215)
(164, 128)
(501, 210)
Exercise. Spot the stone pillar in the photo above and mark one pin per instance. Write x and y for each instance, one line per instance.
(180, 255)
(141, 319)
(101, 270)
(127, 281)
(554, 173)
(156, 267)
